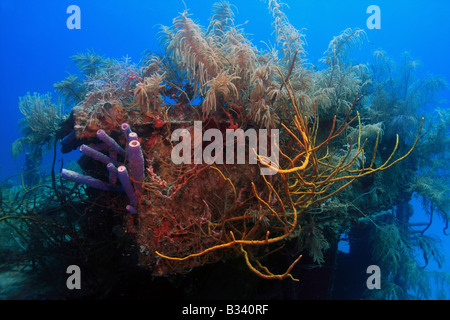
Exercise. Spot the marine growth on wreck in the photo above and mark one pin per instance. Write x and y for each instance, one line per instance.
(350, 145)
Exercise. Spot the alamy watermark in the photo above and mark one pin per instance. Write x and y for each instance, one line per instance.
(74, 20)
(234, 151)
(374, 21)
(374, 280)
(74, 280)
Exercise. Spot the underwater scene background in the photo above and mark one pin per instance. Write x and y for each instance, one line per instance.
(362, 179)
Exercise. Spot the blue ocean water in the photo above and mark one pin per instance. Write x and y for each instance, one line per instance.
(36, 45)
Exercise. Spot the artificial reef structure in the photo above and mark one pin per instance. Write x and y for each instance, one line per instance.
(341, 167)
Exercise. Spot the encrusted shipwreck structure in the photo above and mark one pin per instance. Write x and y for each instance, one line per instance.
(192, 213)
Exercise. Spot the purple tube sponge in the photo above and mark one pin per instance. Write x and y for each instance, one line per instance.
(124, 178)
(99, 147)
(68, 143)
(94, 154)
(125, 128)
(112, 144)
(89, 181)
(131, 209)
(117, 171)
(136, 162)
(132, 136)
(112, 173)
(71, 137)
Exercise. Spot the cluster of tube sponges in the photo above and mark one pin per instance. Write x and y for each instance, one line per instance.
(130, 182)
